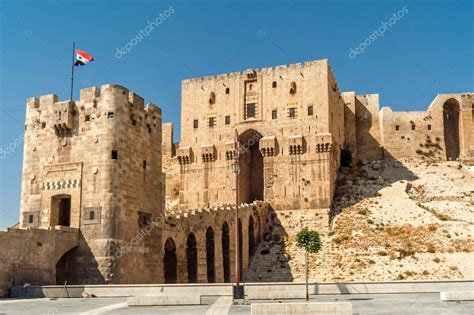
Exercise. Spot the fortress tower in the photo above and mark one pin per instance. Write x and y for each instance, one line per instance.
(95, 164)
(290, 121)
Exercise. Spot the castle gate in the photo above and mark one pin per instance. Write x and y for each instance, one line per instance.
(251, 164)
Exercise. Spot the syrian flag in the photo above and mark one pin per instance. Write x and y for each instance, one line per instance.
(82, 58)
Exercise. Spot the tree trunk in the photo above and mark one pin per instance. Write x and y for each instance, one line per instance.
(306, 272)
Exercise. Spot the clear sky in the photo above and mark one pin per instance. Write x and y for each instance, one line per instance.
(427, 49)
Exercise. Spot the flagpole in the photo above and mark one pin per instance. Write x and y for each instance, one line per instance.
(72, 67)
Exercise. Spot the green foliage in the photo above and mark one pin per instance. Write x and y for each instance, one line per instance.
(308, 240)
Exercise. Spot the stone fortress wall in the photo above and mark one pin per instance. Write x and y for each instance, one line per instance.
(103, 164)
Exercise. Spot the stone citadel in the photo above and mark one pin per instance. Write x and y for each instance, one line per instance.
(109, 197)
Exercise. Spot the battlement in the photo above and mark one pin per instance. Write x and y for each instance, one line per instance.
(188, 217)
(265, 70)
(95, 95)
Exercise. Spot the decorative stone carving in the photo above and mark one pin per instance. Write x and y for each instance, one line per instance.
(208, 153)
(268, 146)
(296, 145)
(184, 155)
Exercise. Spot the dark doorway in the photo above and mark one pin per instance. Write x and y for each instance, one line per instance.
(226, 251)
(60, 210)
(65, 212)
(210, 256)
(66, 269)
(451, 129)
(170, 262)
(252, 243)
(191, 257)
(241, 251)
(251, 163)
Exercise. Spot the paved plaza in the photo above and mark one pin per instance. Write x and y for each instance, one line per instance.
(418, 303)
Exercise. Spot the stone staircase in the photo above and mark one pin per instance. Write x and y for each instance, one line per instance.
(270, 262)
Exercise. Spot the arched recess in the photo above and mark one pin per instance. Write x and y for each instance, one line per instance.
(210, 255)
(241, 251)
(170, 262)
(251, 181)
(451, 128)
(192, 258)
(251, 234)
(226, 251)
(66, 269)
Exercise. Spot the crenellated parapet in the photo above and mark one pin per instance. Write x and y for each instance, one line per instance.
(94, 104)
(198, 220)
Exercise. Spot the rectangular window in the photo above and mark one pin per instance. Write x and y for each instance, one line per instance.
(195, 123)
(91, 215)
(110, 115)
(144, 164)
(429, 127)
(292, 112)
(397, 127)
(211, 122)
(30, 218)
(250, 110)
(412, 127)
(274, 114)
(143, 219)
(87, 117)
(227, 120)
(310, 110)
(114, 154)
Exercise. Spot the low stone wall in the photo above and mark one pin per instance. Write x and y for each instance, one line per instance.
(30, 256)
(312, 308)
(225, 289)
(457, 296)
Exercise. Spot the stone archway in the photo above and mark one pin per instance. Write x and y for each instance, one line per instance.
(451, 128)
(192, 258)
(226, 251)
(210, 255)
(251, 234)
(66, 269)
(251, 181)
(170, 262)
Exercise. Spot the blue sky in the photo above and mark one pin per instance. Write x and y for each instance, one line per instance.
(427, 51)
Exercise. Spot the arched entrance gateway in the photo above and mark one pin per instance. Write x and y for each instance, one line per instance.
(210, 255)
(251, 167)
(192, 258)
(451, 128)
(170, 262)
(226, 251)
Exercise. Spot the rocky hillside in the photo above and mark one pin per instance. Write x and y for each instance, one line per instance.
(392, 220)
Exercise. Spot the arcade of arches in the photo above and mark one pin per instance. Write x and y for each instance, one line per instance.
(195, 252)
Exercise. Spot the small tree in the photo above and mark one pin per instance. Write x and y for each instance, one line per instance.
(311, 243)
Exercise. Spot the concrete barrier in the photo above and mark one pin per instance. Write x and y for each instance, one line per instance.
(164, 300)
(275, 295)
(313, 308)
(457, 296)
